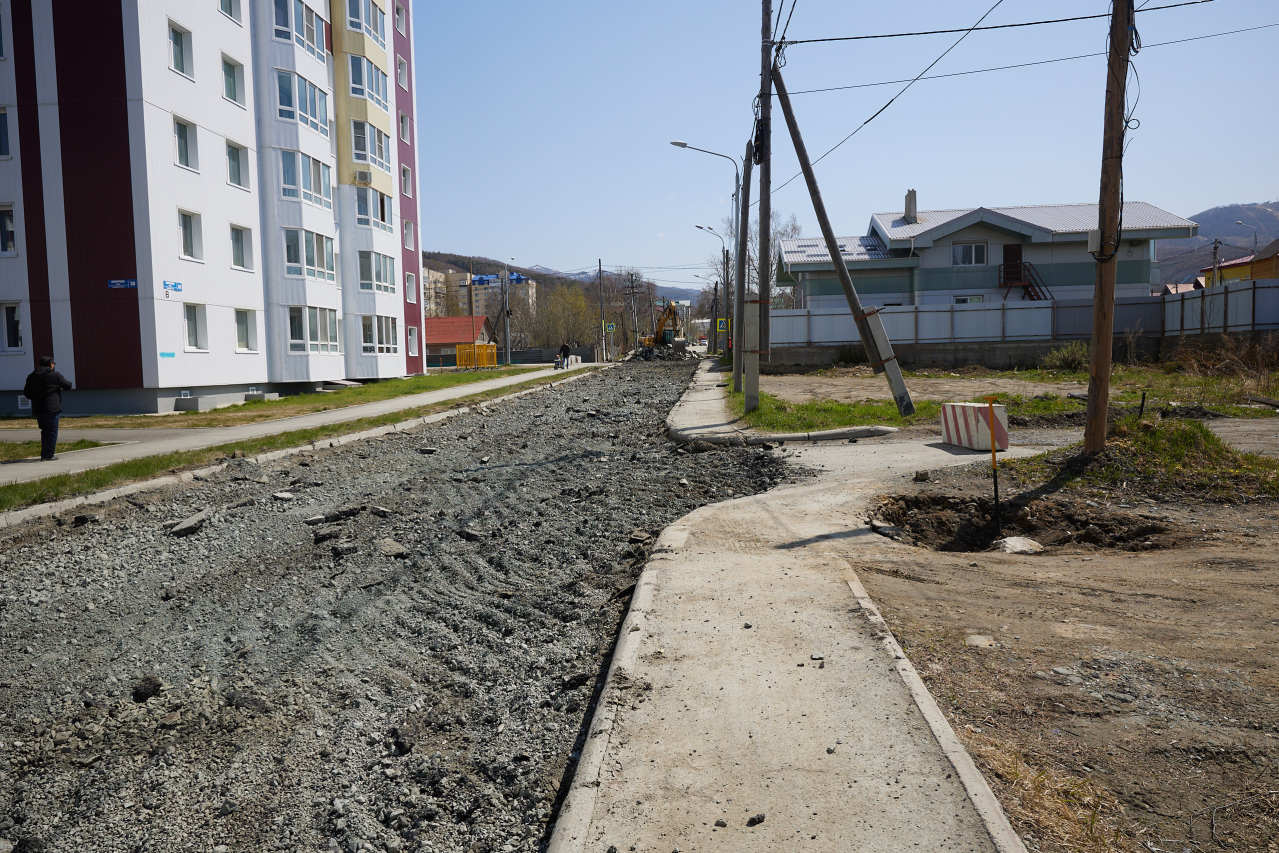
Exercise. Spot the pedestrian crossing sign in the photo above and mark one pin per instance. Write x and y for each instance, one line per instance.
(721, 325)
(612, 327)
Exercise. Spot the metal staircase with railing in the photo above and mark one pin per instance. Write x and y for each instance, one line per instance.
(1023, 275)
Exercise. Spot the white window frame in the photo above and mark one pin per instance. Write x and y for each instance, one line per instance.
(197, 312)
(970, 299)
(376, 271)
(184, 38)
(323, 335)
(406, 181)
(368, 340)
(193, 145)
(410, 287)
(373, 83)
(410, 339)
(14, 310)
(308, 104)
(388, 337)
(406, 128)
(9, 231)
(306, 30)
(402, 72)
(374, 208)
(312, 179)
(250, 327)
(298, 313)
(197, 237)
(234, 14)
(316, 258)
(410, 234)
(246, 248)
(241, 162)
(240, 98)
(368, 17)
(401, 20)
(968, 248)
(370, 145)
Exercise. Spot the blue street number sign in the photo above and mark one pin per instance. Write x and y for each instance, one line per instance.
(122, 284)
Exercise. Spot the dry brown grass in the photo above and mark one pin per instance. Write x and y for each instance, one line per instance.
(1253, 363)
(1064, 813)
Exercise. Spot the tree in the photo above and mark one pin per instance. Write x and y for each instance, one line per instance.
(780, 230)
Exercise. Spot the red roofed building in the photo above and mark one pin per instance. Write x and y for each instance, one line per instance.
(443, 334)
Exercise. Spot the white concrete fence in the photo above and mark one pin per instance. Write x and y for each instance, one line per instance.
(1245, 306)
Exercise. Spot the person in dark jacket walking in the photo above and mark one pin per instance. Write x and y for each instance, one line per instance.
(44, 389)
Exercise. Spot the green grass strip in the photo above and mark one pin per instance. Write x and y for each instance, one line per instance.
(12, 451)
(59, 486)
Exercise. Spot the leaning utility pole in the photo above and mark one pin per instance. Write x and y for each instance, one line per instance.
(1216, 263)
(599, 278)
(1109, 214)
(879, 350)
(764, 152)
(739, 287)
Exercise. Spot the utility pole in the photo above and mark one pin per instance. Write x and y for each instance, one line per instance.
(764, 151)
(1108, 217)
(1216, 263)
(714, 330)
(743, 234)
(506, 311)
(599, 277)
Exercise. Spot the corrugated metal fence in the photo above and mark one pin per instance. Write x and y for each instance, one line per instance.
(1236, 307)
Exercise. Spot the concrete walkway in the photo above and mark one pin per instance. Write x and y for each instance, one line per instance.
(753, 676)
(137, 443)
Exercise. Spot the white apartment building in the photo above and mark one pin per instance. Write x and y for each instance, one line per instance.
(181, 227)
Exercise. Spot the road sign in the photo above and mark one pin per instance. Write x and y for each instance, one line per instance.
(721, 325)
(612, 327)
(122, 284)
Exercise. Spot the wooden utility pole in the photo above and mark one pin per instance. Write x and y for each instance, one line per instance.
(1108, 217)
(764, 151)
(599, 278)
(739, 286)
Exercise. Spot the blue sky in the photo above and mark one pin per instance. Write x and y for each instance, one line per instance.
(544, 127)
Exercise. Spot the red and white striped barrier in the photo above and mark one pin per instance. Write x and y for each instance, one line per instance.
(968, 425)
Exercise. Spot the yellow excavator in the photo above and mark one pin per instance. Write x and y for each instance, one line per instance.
(667, 326)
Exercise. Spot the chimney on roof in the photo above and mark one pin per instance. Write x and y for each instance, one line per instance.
(911, 216)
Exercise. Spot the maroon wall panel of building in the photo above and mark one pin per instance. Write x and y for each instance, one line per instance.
(411, 259)
(98, 193)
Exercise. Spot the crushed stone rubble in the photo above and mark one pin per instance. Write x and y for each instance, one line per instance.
(387, 646)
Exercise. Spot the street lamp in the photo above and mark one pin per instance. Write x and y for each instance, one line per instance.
(732, 224)
(1254, 233)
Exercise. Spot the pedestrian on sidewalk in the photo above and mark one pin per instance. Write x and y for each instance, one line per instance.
(564, 354)
(44, 389)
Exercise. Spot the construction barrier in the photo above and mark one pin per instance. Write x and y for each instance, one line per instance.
(477, 355)
(968, 425)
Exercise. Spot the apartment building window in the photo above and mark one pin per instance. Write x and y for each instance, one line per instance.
(185, 142)
(968, 254)
(406, 181)
(304, 25)
(297, 328)
(232, 81)
(402, 72)
(12, 328)
(371, 145)
(373, 208)
(230, 8)
(410, 287)
(411, 334)
(180, 51)
(241, 248)
(8, 237)
(410, 235)
(303, 101)
(367, 16)
(4, 133)
(401, 20)
(968, 300)
(237, 165)
(189, 231)
(246, 330)
(368, 81)
(322, 328)
(306, 178)
(406, 128)
(377, 272)
(310, 254)
(196, 328)
(379, 334)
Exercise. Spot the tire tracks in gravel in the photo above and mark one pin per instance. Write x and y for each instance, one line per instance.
(314, 691)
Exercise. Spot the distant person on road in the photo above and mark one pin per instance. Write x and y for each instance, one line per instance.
(564, 353)
(44, 389)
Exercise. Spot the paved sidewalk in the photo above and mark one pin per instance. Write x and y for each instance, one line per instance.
(137, 443)
(753, 677)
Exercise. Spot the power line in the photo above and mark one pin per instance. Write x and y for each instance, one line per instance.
(900, 92)
(1029, 64)
(990, 27)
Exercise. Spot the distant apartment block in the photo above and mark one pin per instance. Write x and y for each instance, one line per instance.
(207, 198)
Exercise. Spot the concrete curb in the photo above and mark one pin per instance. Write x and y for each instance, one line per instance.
(18, 516)
(739, 437)
(980, 795)
(578, 809)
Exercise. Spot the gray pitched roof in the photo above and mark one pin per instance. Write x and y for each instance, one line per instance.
(1053, 219)
(808, 250)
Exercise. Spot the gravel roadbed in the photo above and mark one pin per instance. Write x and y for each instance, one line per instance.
(388, 646)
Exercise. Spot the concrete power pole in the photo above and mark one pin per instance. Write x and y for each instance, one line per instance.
(600, 279)
(1108, 217)
(1216, 263)
(764, 151)
(506, 310)
(739, 286)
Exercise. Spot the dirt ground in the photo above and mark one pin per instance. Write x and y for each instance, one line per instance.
(1120, 696)
(853, 384)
